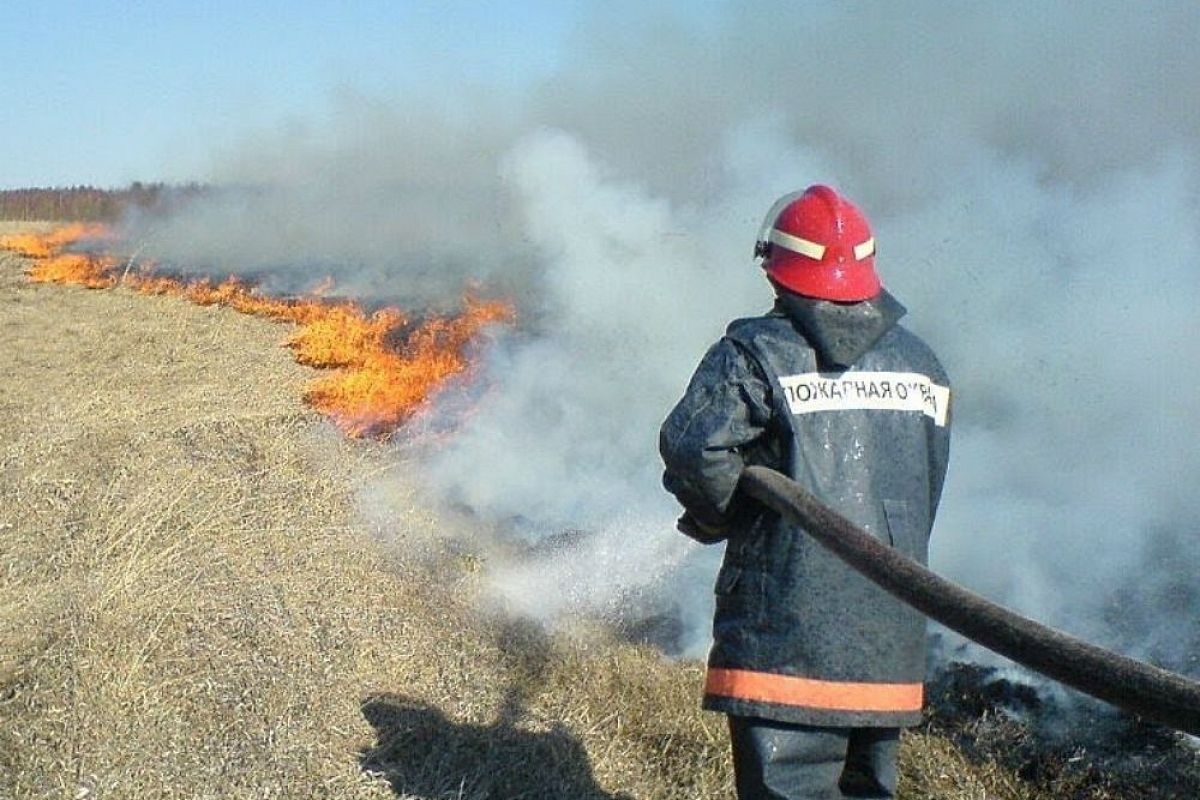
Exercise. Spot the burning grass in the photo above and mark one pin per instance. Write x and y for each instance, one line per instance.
(375, 385)
(190, 605)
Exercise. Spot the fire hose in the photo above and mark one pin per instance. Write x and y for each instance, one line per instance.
(1155, 694)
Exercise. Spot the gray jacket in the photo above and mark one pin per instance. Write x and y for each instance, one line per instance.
(856, 409)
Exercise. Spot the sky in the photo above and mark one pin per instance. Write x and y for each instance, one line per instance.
(104, 93)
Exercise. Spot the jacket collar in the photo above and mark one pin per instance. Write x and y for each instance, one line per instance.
(840, 332)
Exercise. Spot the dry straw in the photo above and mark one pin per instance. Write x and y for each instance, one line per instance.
(190, 607)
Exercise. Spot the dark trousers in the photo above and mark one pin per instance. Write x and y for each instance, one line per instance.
(781, 761)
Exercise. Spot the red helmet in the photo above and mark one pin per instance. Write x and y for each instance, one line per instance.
(818, 244)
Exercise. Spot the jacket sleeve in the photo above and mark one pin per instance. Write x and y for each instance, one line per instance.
(725, 409)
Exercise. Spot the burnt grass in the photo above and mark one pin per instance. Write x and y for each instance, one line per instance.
(1068, 743)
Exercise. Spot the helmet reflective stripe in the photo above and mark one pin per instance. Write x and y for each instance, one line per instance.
(865, 249)
(764, 231)
(797, 245)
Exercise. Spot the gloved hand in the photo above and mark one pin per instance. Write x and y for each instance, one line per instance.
(702, 532)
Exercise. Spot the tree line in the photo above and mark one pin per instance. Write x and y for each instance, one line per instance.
(90, 204)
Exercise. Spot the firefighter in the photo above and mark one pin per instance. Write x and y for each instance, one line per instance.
(816, 667)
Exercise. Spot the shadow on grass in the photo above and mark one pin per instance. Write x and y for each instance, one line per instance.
(423, 754)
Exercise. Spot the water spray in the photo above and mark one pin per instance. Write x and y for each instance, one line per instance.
(1156, 694)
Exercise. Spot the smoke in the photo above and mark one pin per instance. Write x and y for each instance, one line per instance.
(1071, 463)
(1031, 173)
(398, 203)
(568, 442)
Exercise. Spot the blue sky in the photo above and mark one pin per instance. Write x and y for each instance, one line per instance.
(109, 92)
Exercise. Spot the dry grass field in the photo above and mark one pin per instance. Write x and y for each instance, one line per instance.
(190, 606)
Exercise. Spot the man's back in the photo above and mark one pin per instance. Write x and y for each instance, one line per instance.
(871, 440)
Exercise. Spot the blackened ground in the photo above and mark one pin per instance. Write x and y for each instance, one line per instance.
(1073, 746)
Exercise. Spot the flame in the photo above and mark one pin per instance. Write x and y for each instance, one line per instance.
(385, 368)
(378, 385)
(44, 245)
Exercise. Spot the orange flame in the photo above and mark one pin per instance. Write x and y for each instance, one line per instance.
(44, 245)
(377, 385)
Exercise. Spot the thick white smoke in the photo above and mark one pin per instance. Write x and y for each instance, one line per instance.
(1031, 173)
(1073, 342)
(627, 304)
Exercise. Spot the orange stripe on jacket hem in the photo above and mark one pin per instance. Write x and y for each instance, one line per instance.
(765, 687)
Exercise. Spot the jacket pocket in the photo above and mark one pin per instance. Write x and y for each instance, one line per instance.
(899, 529)
(740, 598)
(905, 530)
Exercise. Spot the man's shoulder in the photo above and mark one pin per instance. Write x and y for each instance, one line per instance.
(768, 338)
(900, 342)
(748, 328)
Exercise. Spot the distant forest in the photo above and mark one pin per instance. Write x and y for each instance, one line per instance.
(89, 204)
